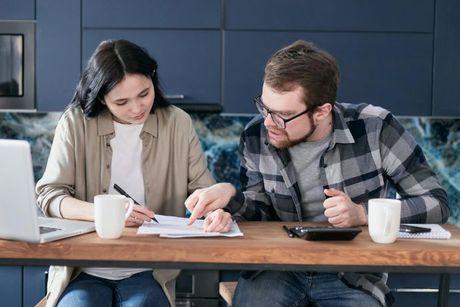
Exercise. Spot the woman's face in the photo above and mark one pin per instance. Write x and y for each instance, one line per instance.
(131, 100)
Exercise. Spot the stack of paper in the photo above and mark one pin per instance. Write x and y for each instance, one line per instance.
(177, 227)
(437, 232)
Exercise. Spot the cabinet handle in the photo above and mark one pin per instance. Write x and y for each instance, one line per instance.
(175, 97)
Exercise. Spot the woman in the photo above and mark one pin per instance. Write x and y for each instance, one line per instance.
(120, 129)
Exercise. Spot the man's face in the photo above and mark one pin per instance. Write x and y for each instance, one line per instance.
(287, 105)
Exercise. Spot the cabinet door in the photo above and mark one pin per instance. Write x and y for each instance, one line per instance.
(201, 14)
(446, 68)
(421, 289)
(34, 284)
(58, 53)
(392, 70)
(331, 15)
(188, 60)
(11, 286)
(17, 9)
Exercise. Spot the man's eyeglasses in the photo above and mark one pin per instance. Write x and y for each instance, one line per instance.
(279, 121)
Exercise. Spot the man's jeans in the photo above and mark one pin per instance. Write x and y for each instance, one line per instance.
(141, 289)
(290, 289)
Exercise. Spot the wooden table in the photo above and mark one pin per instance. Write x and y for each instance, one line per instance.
(264, 246)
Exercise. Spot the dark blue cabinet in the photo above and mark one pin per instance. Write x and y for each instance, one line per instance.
(421, 289)
(58, 53)
(190, 14)
(386, 69)
(330, 15)
(11, 286)
(188, 60)
(402, 55)
(34, 284)
(17, 9)
(22, 286)
(447, 59)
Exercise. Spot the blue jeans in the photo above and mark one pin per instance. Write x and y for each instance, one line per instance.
(141, 289)
(290, 289)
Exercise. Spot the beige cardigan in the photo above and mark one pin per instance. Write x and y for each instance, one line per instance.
(173, 166)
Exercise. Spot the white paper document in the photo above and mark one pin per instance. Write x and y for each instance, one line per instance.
(177, 227)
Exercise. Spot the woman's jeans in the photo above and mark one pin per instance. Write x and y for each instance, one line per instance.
(141, 289)
(276, 289)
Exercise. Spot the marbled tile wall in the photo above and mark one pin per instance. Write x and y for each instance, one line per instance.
(219, 134)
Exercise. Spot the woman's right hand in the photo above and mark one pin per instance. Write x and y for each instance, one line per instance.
(139, 215)
(218, 221)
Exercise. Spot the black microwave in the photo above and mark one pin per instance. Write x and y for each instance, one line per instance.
(17, 65)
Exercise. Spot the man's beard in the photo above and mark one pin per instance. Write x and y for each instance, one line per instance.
(284, 141)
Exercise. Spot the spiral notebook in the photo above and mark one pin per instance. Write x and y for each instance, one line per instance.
(437, 232)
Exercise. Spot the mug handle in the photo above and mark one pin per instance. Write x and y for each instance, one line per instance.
(130, 208)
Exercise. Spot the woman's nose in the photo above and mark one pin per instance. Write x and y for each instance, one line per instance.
(136, 107)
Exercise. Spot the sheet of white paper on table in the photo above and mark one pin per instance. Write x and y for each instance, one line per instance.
(177, 227)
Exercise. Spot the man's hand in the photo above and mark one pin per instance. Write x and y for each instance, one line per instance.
(209, 199)
(341, 211)
(218, 220)
(138, 216)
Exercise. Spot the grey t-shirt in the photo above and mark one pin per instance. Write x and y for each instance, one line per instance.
(305, 157)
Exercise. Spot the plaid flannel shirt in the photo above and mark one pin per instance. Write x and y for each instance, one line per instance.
(369, 152)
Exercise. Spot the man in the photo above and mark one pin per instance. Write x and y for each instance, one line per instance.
(308, 158)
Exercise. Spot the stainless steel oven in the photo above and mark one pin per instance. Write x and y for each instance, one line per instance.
(17, 65)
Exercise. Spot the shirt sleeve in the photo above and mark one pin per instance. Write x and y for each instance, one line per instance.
(423, 198)
(252, 203)
(58, 180)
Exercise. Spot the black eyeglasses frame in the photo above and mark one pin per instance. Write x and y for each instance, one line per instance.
(262, 109)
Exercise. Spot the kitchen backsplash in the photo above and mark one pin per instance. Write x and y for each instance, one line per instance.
(219, 135)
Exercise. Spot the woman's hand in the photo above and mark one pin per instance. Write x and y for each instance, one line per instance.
(202, 201)
(139, 216)
(218, 221)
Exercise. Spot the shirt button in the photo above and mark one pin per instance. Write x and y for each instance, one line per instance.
(108, 166)
(104, 191)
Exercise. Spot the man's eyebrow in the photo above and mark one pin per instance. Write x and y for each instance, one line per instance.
(280, 112)
(277, 111)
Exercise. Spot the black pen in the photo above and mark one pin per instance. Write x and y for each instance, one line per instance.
(290, 234)
(122, 192)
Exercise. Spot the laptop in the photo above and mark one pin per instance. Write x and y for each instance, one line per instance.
(19, 218)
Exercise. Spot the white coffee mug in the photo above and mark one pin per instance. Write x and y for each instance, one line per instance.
(384, 216)
(110, 214)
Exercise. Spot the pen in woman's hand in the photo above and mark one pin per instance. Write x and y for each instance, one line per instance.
(122, 192)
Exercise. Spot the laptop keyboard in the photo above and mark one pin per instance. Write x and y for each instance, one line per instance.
(44, 229)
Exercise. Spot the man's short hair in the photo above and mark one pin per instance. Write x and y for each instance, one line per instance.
(303, 64)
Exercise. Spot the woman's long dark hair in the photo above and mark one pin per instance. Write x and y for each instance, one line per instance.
(108, 65)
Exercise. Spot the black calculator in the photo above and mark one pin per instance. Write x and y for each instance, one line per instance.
(325, 233)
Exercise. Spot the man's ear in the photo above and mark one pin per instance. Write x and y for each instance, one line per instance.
(323, 111)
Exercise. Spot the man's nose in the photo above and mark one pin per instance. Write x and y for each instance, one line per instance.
(268, 121)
